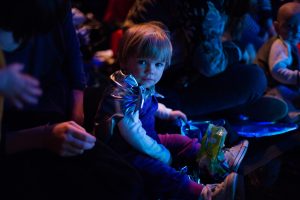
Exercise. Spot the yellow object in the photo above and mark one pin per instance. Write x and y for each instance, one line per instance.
(211, 156)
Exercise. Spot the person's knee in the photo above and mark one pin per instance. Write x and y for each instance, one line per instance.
(252, 80)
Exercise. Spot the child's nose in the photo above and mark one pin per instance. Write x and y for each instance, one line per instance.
(150, 68)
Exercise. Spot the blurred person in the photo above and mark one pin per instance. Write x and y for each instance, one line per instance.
(46, 154)
(279, 56)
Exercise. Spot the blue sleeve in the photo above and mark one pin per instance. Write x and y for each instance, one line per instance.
(74, 62)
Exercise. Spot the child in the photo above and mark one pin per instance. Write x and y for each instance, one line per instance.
(126, 117)
(280, 58)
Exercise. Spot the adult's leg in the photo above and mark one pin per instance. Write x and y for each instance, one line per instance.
(291, 96)
(237, 86)
(96, 174)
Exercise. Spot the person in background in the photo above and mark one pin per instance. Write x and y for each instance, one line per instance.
(257, 28)
(279, 57)
(15, 86)
(46, 153)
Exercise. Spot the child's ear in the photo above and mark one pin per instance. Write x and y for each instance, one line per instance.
(276, 26)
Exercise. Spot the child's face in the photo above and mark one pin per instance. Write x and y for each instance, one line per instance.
(146, 71)
(289, 30)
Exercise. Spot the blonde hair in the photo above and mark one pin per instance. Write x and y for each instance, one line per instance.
(146, 40)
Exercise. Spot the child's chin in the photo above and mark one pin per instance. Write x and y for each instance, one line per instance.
(147, 85)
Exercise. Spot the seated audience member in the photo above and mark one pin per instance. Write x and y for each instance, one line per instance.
(126, 118)
(256, 29)
(46, 154)
(280, 58)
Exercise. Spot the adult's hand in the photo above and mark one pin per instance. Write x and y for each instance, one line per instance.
(69, 139)
(17, 87)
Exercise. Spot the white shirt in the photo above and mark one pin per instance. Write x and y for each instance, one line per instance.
(280, 59)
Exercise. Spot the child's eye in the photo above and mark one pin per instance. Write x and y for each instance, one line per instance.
(142, 62)
(160, 64)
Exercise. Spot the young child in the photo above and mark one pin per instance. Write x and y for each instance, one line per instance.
(126, 117)
(280, 57)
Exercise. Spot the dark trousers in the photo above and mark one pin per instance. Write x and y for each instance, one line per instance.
(162, 180)
(97, 174)
(237, 86)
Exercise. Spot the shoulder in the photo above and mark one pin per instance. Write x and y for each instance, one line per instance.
(125, 92)
(279, 46)
(279, 43)
(122, 84)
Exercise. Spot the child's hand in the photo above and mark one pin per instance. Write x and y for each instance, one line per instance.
(177, 114)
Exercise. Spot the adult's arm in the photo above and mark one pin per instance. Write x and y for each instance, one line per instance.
(65, 139)
(74, 67)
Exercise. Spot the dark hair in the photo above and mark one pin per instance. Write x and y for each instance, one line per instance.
(233, 9)
(236, 10)
(27, 17)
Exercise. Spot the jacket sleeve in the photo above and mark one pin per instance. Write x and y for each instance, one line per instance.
(26, 139)
(132, 131)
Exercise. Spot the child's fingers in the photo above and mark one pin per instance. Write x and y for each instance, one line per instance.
(179, 114)
(184, 117)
